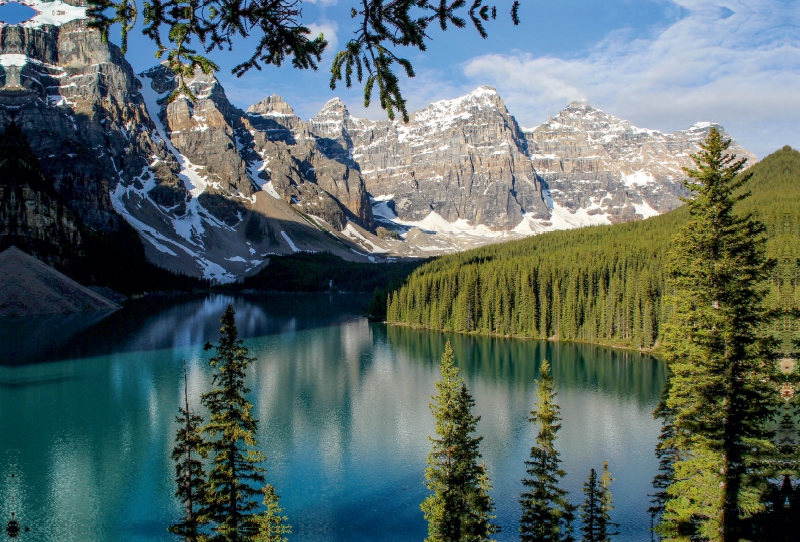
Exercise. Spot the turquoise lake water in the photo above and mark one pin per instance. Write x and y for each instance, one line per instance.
(88, 405)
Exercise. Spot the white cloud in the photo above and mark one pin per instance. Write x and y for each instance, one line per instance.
(427, 87)
(736, 62)
(327, 28)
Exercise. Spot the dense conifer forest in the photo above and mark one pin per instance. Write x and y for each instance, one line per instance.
(602, 284)
(324, 272)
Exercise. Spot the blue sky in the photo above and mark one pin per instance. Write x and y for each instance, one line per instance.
(661, 64)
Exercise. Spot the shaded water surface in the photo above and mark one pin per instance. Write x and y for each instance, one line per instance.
(87, 417)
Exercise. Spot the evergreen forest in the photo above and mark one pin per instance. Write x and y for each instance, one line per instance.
(604, 285)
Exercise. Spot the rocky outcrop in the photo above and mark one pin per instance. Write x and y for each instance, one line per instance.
(300, 166)
(597, 163)
(462, 159)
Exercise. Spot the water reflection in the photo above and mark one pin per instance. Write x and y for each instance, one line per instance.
(153, 324)
(344, 417)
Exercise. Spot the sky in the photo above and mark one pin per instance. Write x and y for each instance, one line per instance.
(660, 64)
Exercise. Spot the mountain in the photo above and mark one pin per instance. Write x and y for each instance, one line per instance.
(602, 285)
(31, 287)
(213, 191)
(606, 170)
(32, 214)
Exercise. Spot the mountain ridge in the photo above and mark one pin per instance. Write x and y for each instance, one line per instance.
(214, 190)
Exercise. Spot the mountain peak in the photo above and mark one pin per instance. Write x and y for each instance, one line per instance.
(484, 90)
(702, 125)
(272, 106)
(333, 105)
(581, 104)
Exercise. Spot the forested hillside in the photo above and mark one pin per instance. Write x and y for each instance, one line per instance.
(602, 284)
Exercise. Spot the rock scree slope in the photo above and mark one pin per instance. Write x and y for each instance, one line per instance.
(31, 287)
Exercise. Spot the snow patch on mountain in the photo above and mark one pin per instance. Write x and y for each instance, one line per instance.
(195, 183)
(291, 243)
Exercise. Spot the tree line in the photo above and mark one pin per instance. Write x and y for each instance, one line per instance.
(605, 285)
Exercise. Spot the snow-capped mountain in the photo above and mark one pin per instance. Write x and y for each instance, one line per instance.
(601, 169)
(213, 190)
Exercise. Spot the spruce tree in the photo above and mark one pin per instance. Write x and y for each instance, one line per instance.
(189, 473)
(547, 514)
(606, 527)
(720, 394)
(229, 502)
(666, 455)
(459, 508)
(270, 525)
(591, 510)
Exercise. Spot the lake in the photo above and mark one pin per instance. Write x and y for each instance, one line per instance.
(88, 405)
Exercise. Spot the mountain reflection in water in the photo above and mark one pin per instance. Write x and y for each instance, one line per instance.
(343, 405)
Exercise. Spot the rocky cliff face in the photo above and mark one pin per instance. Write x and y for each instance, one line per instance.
(301, 168)
(213, 190)
(186, 175)
(75, 99)
(32, 216)
(597, 165)
(463, 160)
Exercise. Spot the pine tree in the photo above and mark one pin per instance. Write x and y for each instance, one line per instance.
(547, 514)
(270, 525)
(459, 508)
(228, 501)
(591, 510)
(720, 393)
(666, 455)
(606, 525)
(189, 473)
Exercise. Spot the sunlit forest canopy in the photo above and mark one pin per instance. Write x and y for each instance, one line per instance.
(601, 284)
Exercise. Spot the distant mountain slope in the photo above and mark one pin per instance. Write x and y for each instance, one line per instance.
(602, 284)
(35, 218)
(600, 165)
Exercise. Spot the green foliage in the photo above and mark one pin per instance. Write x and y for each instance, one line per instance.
(605, 285)
(720, 393)
(459, 507)
(547, 514)
(605, 525)
(666, 454)
(270, 525)
(384, 25)
(590, 510)
(214, 24)
(228, 502)
(189, 473)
